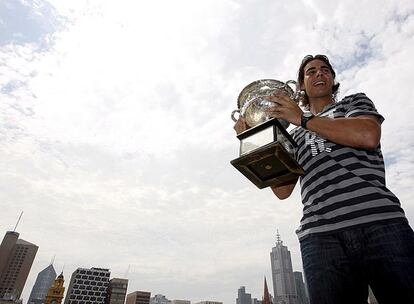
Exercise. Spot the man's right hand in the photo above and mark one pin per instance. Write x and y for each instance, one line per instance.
(240, 125)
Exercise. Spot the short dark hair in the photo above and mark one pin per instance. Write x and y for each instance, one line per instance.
(301, 75)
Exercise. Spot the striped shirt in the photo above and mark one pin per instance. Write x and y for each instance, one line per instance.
(342, 186)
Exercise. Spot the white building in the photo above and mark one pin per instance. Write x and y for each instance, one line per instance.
(88, 286)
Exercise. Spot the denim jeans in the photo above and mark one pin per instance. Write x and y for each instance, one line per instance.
(339, 266)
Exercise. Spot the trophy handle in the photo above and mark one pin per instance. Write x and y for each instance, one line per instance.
(292, 82)
(298, 93)
(233, 113)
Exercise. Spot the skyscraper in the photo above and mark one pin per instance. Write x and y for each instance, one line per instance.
(44, 281)
(116, 292)
(282, 274)
(55, 292)
(16, 259)
(88, 286)
(138, 297)
(300, 288)
(243, 297)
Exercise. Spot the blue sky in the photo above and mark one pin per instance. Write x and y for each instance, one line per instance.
(116, 137)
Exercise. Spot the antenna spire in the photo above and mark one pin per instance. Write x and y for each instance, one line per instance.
(127, 271)
(278, 240)
(15, 227)
(53, 260)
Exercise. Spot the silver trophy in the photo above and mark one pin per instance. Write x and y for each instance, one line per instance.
(266, 149)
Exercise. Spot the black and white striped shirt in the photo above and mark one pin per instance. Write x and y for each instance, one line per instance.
(342, 186)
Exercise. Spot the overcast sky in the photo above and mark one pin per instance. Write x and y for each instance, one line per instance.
(116, 137)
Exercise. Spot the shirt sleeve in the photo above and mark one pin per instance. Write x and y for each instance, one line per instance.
(360, 104)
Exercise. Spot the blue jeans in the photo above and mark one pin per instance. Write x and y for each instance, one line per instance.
(339, 266)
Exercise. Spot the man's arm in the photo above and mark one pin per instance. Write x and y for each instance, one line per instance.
(284, 191)
(357, 132)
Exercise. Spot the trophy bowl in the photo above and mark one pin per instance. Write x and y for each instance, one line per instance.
(252, 103)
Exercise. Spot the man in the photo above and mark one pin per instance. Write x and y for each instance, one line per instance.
(353, 231)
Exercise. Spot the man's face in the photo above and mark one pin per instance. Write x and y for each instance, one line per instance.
(318, 79)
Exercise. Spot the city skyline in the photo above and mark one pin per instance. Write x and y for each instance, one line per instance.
(113, 290)
(116, 137)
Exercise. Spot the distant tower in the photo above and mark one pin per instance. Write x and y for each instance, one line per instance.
(282, 273)
(243, 297)
(116, 292)
(55, 292)
(88, 286)
(266, 296)
(44, 280)
(16, 259)
(300, 288)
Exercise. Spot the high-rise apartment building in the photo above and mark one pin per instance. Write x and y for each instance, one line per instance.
(284, 288)
(138, 297)
(44, 281)
(55, 292)
(300, 288)
(243, 297)
(16, 259)
(88, 286)
(117, 289)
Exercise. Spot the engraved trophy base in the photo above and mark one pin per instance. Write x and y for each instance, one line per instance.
(265, 159)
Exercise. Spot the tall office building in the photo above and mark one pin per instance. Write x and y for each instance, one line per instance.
(282, 274)
(44, 281)
(138, 297)
(117, 289)
(88, 286)
(16, 259)
(300, 288)
(55, 292)
(243, 297)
